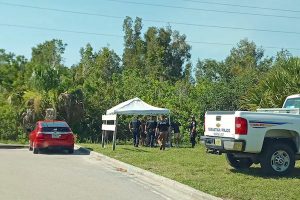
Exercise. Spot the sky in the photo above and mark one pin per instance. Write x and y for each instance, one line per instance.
(20, 24)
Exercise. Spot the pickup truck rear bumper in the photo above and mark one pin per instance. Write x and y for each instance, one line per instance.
(223, 145)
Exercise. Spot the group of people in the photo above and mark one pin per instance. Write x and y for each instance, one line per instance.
(151, 132)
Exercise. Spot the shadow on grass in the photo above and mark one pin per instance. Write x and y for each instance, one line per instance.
(257, 172)
(84, 149)
(183, 147)
(135, 150)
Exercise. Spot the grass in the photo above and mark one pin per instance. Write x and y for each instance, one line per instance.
(13, 141)
(206, 172)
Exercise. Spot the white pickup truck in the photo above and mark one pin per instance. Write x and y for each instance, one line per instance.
(270, 137)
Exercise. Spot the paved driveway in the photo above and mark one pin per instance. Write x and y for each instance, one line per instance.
(26, 176)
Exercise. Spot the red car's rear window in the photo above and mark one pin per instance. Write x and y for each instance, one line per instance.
(55, 127)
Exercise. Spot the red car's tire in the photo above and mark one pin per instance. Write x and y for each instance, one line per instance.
(35, 150)
(30, 146)
(70, 151)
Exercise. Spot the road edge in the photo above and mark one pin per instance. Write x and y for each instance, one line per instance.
(189, 191)
(13, 146)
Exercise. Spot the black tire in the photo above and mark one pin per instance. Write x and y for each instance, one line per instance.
(35, 151)
(30, 147)
(277, 159)
(70, 151)
(238, 163)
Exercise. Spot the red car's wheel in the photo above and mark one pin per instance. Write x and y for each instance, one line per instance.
(35, 150)
(30, 146)
(70, 151)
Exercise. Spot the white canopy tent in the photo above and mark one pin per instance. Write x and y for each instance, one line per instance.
(131, 107)
(136, 107)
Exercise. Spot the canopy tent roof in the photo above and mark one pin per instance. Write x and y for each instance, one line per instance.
(136, 107)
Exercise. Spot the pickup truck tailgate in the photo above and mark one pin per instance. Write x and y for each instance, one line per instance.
(220, 124)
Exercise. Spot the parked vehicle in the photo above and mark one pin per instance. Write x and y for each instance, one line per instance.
(51, 135)
(270, 137)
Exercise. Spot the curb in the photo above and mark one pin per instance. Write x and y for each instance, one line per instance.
(190, 192)
(13, 146)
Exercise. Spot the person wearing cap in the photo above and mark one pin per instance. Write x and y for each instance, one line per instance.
(193, 132)
(135, 127)
(150, 127)
(162, 129)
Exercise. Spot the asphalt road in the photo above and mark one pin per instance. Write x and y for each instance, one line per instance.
(54, 175)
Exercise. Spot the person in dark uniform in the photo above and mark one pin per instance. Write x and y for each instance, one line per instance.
(175, 126)
(193, 132)
(135, 127)
(150, 127)
(143, 132)
(162, 129)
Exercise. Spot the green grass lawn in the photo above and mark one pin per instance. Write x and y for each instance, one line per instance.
(206, 172)
(13, 142)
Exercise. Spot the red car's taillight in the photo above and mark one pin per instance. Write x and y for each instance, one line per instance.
(241, 126)
(70, 136)
(40, 136)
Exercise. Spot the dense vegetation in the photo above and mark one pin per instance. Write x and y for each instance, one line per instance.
(155, 66)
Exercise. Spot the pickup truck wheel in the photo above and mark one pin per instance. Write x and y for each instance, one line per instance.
(277, 159)
(238, 163)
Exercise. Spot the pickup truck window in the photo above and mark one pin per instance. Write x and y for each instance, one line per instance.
(292, 103)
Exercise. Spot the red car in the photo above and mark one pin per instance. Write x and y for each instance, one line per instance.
(51, 135)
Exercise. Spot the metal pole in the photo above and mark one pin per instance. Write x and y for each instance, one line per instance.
(114, 134)
(169, 131)
(103, 135)
(102, 142)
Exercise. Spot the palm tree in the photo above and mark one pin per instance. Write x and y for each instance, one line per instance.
(283, 80)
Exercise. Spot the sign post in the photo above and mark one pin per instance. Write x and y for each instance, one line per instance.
(115, 135)
(109, 127)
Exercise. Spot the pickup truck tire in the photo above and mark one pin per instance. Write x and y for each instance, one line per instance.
(277, 159)
(238, 163)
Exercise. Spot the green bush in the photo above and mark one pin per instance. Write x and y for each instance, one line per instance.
(9, 129)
